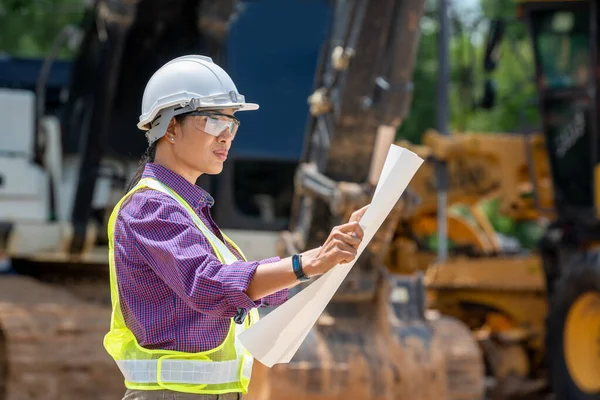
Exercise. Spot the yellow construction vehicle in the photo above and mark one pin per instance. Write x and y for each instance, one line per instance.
(491, 281)
(483, 169)
(535, 306)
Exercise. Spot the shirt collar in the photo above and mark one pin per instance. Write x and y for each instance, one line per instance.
(193, 194)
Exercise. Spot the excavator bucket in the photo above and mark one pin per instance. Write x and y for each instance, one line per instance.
(371, 352)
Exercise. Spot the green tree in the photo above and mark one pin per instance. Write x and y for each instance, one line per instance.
(423, 108)
(515, 108)
(29, 27)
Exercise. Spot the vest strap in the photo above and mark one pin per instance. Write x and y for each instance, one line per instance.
(212, 238)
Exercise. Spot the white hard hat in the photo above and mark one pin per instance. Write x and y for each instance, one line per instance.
(186, 84)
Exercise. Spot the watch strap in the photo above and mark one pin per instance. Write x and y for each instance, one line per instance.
(297, 266)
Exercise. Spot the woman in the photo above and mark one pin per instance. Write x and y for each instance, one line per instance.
(182, 290)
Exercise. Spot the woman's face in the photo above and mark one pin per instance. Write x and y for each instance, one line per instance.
(200, 151)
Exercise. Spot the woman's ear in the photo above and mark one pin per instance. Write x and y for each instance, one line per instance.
(170, 133)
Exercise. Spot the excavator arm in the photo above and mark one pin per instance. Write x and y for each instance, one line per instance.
(362, 93)
(373, 340)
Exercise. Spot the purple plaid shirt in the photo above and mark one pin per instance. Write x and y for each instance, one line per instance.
(175, 294)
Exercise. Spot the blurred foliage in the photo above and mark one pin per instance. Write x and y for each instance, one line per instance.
(515, 107)
(29, 27)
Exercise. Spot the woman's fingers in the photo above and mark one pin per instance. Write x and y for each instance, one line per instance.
(358, 214)
(345, 253)
(351, 227)
(350, 239)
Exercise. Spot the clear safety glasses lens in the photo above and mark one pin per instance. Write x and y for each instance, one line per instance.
(216, 124)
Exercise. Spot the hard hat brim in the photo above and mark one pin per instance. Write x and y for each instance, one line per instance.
(248, 107)
(145, 125)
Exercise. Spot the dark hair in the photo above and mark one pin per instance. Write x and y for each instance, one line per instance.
(148, 157)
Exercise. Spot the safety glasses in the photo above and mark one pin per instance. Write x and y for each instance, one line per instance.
(214, 123)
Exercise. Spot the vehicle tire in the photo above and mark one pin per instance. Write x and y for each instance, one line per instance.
(573, 329)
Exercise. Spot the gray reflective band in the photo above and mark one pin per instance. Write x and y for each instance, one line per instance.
(191, 371)
(186, 371)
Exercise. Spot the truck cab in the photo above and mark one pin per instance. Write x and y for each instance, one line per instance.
(564, 38)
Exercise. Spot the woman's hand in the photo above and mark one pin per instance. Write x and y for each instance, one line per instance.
(340, 247)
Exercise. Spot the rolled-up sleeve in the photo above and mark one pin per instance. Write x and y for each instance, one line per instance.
(277, 298)
(176, 250)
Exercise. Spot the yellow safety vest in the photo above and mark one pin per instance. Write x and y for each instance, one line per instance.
(223, 369)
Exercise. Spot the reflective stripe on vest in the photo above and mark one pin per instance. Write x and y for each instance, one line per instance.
(226, 368)
(187, 371)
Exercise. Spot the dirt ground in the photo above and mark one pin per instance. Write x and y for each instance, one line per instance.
(51, 337)
(51, 345)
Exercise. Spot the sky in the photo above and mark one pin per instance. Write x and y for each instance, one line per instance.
(467, 10)
(465, 4)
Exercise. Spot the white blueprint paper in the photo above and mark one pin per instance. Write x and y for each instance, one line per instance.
(277, 336)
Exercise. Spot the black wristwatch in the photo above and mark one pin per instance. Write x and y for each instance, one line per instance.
(297, 266)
